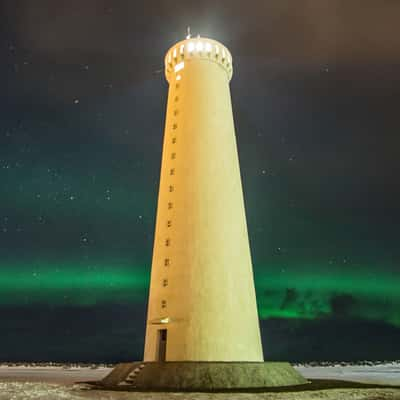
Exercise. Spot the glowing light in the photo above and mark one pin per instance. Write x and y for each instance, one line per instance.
(169, 58)
(164, 320)
(178, 77)
(191, 46)
(179, 66)
(199, 46)
(174, 54)
(216, 50)
(208, 47)
(182, 48)
(223, 54)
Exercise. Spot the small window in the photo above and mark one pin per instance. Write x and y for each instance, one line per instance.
(174, 126)
(179, 66)
(169, 205)
(174, 53)
(176, 112)
(173, 140)
(167, 242)
(163, 303)
(169, 223)
(173, 156)
(177, 86)
(176, 98)
(166, 262)
(172, 171)
(165, 282)
(171, 188)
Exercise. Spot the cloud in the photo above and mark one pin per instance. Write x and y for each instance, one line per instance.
(297, 303)
(290, 298)
(342, 305)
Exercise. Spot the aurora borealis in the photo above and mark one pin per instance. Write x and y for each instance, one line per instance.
(315, 94)
(285, 295)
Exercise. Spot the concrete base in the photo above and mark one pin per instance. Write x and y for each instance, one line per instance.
(200, 376)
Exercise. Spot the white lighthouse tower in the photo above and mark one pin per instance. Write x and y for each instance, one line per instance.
(202, 303)
(202, 328)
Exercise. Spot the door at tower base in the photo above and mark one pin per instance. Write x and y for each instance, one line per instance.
(162, 344)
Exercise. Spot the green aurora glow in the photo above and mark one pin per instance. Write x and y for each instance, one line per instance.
(79, 185)
(300, 294)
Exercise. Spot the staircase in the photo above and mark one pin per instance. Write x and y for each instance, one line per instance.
(131, 378)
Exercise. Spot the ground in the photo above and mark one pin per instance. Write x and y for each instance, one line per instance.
(53, 383)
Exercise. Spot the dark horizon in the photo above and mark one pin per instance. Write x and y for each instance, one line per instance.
(315, 95)
(287, 342)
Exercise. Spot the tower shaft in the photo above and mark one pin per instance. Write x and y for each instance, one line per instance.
(202, 303)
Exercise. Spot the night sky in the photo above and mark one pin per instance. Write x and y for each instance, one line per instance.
(316, 101)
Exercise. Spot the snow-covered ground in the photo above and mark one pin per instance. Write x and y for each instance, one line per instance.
(52, 374)
(47, 391)
(383, 374)
(57, 382)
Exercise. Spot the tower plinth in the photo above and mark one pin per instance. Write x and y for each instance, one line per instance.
(202, 324)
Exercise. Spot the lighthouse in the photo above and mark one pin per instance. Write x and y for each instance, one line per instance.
(202, 328)
(202, 302)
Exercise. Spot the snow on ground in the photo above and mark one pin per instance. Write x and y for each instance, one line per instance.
(382, 374)
(52, 374)
(46, 391)
(57, 382)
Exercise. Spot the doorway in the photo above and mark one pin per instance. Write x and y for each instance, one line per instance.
(162, 345)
